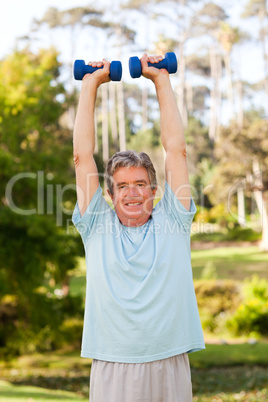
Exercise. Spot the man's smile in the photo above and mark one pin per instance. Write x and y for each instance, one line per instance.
(133, 195)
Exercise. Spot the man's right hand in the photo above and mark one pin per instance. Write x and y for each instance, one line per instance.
(154, 74)
(100, 76)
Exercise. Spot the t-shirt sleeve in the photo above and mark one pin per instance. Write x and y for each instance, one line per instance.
(95, 213)
(174, 208)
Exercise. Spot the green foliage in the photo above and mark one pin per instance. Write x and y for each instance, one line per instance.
(251, 316)
(199, 149)
(146, 138)
(229, 372)
(38, 195)
(235, 234)
(217, 214)
(235, 152)
(39, 323)
(243, 234)
(215, 299)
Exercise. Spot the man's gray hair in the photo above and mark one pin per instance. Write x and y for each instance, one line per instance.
(129, 159)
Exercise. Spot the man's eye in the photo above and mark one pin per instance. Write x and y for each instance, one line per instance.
(140, 185)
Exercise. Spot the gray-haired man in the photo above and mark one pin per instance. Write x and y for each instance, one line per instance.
(141, 316)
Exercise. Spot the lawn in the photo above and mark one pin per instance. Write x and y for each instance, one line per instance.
(232, 372)
(14, 393)
(231, 262)
(219, 373)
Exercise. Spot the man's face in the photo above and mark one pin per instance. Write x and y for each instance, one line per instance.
(133, 196)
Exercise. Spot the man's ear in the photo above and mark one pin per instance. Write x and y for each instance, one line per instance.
(111, 195)
(154, 191)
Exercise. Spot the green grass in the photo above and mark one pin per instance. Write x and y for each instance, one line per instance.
(230, 355)
(219, 373)
(235, 263)
(14, 393)
(230, 373)
(231, 262)
(245, 384)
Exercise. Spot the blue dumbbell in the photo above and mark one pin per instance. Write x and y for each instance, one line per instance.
(81, 68)
(169, 63)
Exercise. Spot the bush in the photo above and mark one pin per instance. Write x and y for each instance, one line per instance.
(44, 326)
(71, 332)
(243, 234)
(252, 314)
(235, 234)
(215, 299)
(217, 214)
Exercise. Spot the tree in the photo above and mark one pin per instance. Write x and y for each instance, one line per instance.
(70, 21)
(35, 171)
(258, 8)
(209, 18)
(145, 9)
(242, 163)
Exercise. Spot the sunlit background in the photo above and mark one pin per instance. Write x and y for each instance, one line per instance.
(221, 88)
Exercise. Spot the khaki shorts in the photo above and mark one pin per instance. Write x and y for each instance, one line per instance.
(167, 380)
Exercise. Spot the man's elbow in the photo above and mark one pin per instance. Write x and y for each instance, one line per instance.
(183, 151)
(76, 158)
(178, 150)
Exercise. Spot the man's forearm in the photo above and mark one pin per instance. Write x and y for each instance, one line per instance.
(84, 128)
(172, 133)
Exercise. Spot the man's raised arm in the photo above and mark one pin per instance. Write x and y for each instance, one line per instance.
(87, 180)
(172, 133)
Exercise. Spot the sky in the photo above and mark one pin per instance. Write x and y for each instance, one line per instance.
(16, 17)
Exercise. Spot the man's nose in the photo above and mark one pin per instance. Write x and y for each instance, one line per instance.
(133, 191)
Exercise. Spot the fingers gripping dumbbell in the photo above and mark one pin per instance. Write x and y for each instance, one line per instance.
(169, 63)
(81, 68)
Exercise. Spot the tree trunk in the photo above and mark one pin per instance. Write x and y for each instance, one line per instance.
(264, 52)
(189, 98)
(113, 119)
(215, 94)
(241, 207)
(230, 90)
(144, 107)
(240, 110)
(260, 201)
(181, 86)
(96, 150)
(105, 128)
(72, 109)
(121, 116)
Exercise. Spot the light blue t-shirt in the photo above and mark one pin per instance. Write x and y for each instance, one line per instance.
(140, 300)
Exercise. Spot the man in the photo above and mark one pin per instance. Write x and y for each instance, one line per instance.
(141, 316)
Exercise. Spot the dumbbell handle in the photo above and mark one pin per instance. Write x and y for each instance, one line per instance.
(161, 64)
(89, 69)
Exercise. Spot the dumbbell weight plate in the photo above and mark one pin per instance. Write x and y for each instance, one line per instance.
(116, 70)
(135, 67)
(79, 66)
(172, 62)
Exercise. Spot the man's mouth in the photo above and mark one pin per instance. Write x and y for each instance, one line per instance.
(132, 204)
